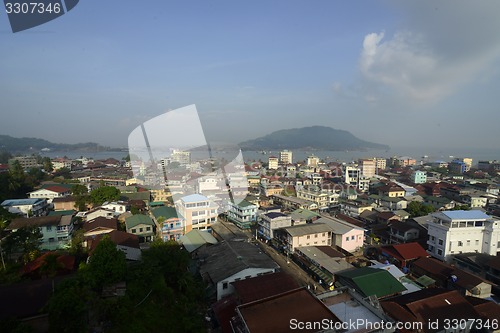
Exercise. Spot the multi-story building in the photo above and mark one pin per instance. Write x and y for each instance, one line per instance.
(405, 161)
(182, 157)
(50, 193)
(27, 162)
(273, 163)
(380, 163)
(243, 214)
(323, 198)
(457, 166)
(171, 227)
(59, 163)
(286, 157)
(198, 211)
(26, 207)
(313, 161)
(142, 226)
(271, 221)
(312, 234)
(467, 161)
(56, 230)
(351, 175)
(419, 177)
(368, 167)
(455, 232)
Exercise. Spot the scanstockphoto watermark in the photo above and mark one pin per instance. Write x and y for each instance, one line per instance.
(27, 14)
(358, 324)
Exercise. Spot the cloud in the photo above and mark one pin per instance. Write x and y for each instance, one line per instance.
(433, 56)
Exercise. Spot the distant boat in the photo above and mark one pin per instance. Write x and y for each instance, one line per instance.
(45, 149)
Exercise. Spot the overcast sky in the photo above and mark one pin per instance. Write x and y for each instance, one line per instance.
(402, 73)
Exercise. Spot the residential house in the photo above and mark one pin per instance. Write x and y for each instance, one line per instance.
(354, 208)
(124, 241)
(437, 306)
(292, 203)
(50, 193)
(119, 207)
(303, 216)
(243, 214)
(141, 226)
(419, 177)
(402, 232)
(97, 212)
(402, 255)
(323, 198)
(455, 232)
(230, 261)
(322, 261)
(283, 313)
(56, 230)
(99, 225)
(450, 277)
(26, 207)
(312, 234)
(371, 282)
(391, 190)
(273, 163)
(170, 226)
(64, 203)
(272, 221)
(344, 235)
(197, 211)
(439, 203)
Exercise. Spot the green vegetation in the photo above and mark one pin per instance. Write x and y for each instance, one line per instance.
(161, 295)
(26, 240)
(103, 194)
(417, 209)
(12, 144)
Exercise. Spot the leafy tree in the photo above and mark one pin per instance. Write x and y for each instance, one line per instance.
(417, 209)
(80, 193)
(103, 194)
(107, 265)
(461, 207)
(68, 308)
(135, 211)
(26, 240)
(5, 156)
(63, 172)
(50, 265)
(47, 164)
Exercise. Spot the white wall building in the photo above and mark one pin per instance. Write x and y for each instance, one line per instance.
(286, 157)
(198, 211)
(455, 232)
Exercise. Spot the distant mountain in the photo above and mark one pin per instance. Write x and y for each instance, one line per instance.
(21, 145)
(314, 138)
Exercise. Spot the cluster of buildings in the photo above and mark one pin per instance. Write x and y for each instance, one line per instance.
(388, 241)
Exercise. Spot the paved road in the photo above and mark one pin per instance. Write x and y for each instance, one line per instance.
(291, 268)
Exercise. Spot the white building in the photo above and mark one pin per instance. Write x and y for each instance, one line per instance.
(286, 157)
(50, 193)
(182, 157)
(455, 232)
(273, 163)
(272, 221)
(26, 207)
(368, 167)
(313, 161)
(419, 177)
(198, 211)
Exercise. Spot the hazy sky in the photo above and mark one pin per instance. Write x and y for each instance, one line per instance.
(402, 73)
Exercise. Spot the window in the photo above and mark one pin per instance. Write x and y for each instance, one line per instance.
(440, 252)
(148, 229)
(308, 236)
(440, 242)
(316, 236)
(133, 231)
(141, 229)
(347, 239)
(468, 242)
(49, 228)
(224, 285)
(460, 243)
(477, 241)
(352, 237)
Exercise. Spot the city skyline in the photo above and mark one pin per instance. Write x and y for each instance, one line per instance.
(412, 74)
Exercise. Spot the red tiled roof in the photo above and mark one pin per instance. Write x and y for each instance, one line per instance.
(409, 251)
(100, 222)
(58, 189)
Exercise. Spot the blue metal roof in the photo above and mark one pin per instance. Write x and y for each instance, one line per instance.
(466, 215)
(194, 198)
(20, 202)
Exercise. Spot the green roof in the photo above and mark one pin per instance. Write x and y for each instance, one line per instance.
(62, 212)
(156, 204)
(371, 281)
(245, 203)
(137, 219)
(425, 281)
(66, 186)
(304, 213)
(146, 195)
(166, 212)
(195, 239)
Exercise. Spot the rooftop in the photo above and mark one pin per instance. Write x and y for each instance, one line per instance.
(21, 202)
(307, 229)
(195, 239)
(194, 198)
(137, 219)
(299, 304)
(465, 215)
(264, 286)
(372, 281)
